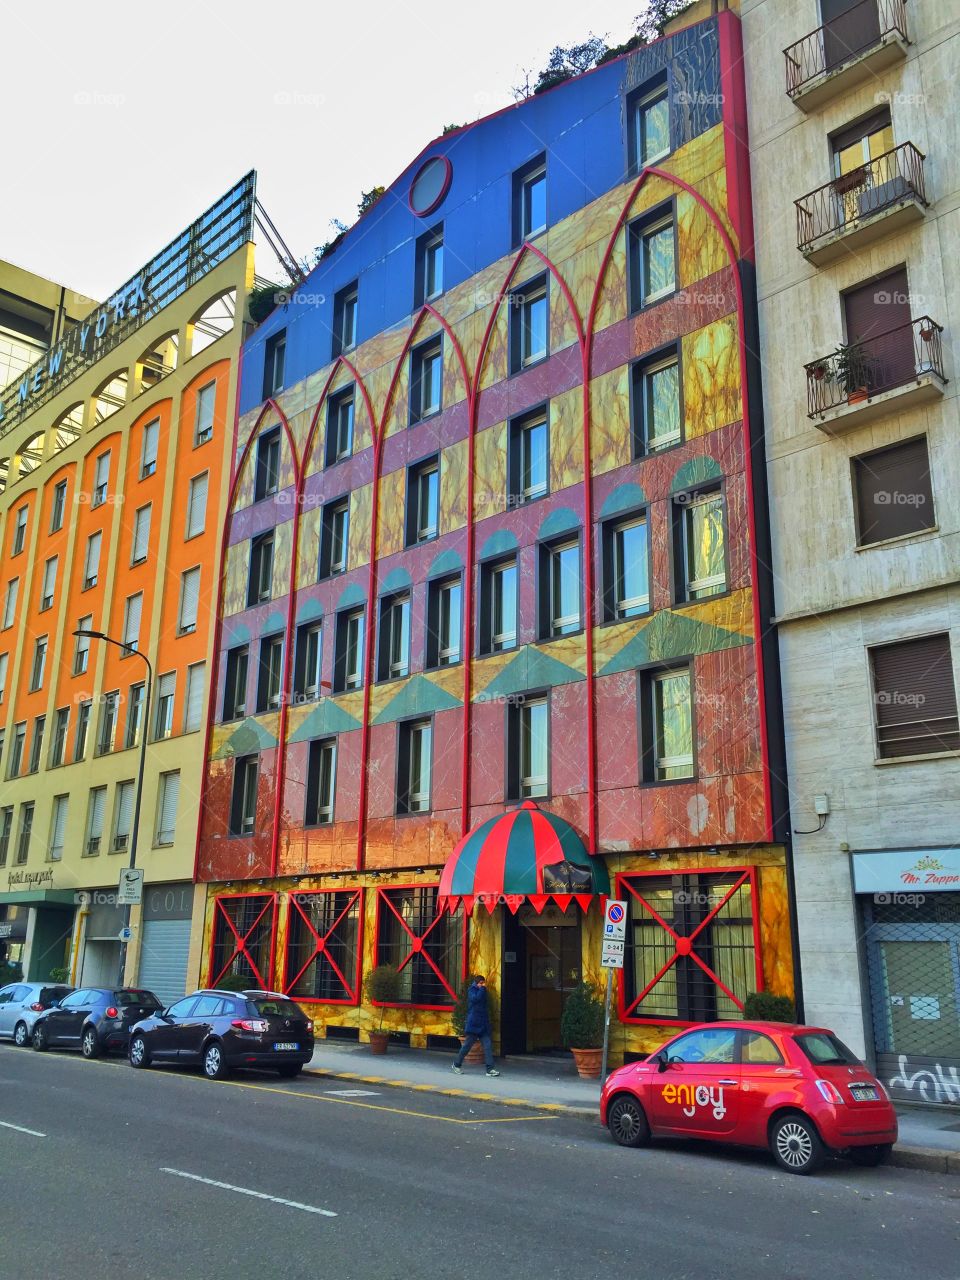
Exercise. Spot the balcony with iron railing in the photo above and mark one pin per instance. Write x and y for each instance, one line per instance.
(882, 375)
(859, 207)
(852, 47)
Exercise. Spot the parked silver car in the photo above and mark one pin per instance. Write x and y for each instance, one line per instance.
(21, 1003)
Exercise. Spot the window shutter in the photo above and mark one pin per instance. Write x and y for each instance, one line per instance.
(197, 512)
(194, 712)
(10, 603)
(189, 599)
(151, 433)
(167, 817)
(4, 658)
(141, 534)
(92, 563)
(59, 825)
(103, 469)
(915, 697)
(124, 808)
(205, 402)
(894, 496)
(49, 577)
(97, 802)
(131, 630)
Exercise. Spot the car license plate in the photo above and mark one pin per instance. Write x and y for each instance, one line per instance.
(864, 1093)
(284, 1045)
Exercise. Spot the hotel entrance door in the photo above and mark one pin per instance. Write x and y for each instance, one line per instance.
(542, 964)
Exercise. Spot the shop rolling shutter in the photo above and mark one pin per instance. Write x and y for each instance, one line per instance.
(894, 496)
(167, 810)
(164, 947)
(189, 599)
(193, 718)
(141, 534)
(197, 513)
(915, 697)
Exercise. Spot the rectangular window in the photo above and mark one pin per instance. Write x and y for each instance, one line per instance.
(19, 531)
(626, 568)
(16, 749)
(59, 506)
(135, 715)
(423, 502)
(421, 942)
(426, 380)
(96, 809)
(108, 722)
(10, 602)
(529, 459)
(189, 601)
(348, 655)
(274, 359)
(893, 494)
(444, 612)
(141, 535)
(267, 477)
(915, 698)
(58, 747)
(166, 692)
(203, 423)
(235, 683)
(529, 324)
(530, 199)
(428, 280)
(260, 583)
(36, 746)
(91, 560)
(148, 448)
(39, 666)
(6, 830)
(528, 748)
(193, 701)
(413, 766)
(25, 832)
(251, 917)
(700, 532)
(334, 537)
(393, 658)
(168, 798)
(559, 590)
(340, 415)
(648, 124)
(666, 724)
(321, 782)
(345, 320)
(122, 817)
(81, 654)
(4, 662)
(58, 828)
(243, 808)
(197, 505)
(652, 253)
(655, 407)
(663, 981)
(101, 480)
(307, 661)
(49, 587)
(323, 946)
(498, 606)
(83, 731)
(270, 673)
(132, 611)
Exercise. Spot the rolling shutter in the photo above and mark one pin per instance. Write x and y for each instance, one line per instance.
(167, 808)
(877, 315)
(91, 566)
(894, 496)
(193, 716)
(121, 833)
(58, 827)
(141, 534)
(4, 658)
(197, 510)
(189, 599)
(148, 461)
(164, 946)
(131, 622)
(915, 697)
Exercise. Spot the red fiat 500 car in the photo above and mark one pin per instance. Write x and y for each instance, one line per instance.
(797, 1090)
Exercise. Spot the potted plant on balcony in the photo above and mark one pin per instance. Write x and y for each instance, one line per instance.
(382, 987)
(850, 367)
(581, 1028)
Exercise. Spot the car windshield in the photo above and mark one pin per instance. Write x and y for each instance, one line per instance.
(145, 999)
(275, 1008)
(825, 1050)
(49, 994)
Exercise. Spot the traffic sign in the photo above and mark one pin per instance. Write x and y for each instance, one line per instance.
(130, 890)
(611, 960)
(125, 934)
(615, 920)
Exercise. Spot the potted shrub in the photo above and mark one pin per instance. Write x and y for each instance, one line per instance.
(764, 1006)
(60, 974)
(581, 1028)
(850, 365)
(382, 987)
(458, 1018)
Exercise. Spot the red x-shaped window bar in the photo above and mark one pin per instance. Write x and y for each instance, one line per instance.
(683, 945)
(417, 941)
(241, 942)
(321, 945)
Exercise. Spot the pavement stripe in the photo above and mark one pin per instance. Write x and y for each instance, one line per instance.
(34, 1133)
(246, 1191)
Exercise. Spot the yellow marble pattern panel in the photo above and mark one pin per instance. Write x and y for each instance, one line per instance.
(308, 547)
(711, 378)
(486, 669)
(454, 387)
(391, 519)
(563, 326)
(490, 473)
(612, 302)
(733, 612)
(609, 640)
(453, 487)
(235, 573)
(610, 434)
(570, 650)
(496, 365)
(700, 250)
(282, 551)
(470, 331)
(358, 550)
(566, 439)
(398, 411)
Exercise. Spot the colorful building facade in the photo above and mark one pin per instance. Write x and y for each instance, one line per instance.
(115, 464)
(494, 543)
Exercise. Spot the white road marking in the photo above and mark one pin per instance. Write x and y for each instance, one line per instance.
(245, 1191)
(353, 1093)
(34, 1133)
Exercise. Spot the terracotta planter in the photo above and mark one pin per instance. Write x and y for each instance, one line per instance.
(855, 397)
(379, 1041)
(475, 1054)
(588, 1062)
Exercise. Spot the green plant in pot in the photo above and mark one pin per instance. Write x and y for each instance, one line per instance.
(59, 974)
(581, 1028)
(382, 987)
(851, 368)
(764, 1006)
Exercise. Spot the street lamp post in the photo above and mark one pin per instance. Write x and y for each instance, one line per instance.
(144, 729)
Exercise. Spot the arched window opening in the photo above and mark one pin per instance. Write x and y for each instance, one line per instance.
(67, 428)
(111, 396)
(212, 322)
(158, 361)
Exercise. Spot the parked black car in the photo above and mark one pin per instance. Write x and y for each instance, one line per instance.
(93, 1019)
(221, 1030)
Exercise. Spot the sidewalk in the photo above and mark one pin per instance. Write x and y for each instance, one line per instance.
(929, 1136)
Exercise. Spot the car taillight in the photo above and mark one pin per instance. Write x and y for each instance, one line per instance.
(113, 1013)
(37, 1008)
(309, 1025)
(249, 1024)
(829, 1091)
(882, 1090)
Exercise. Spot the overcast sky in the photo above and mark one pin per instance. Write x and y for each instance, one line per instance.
(124, 122)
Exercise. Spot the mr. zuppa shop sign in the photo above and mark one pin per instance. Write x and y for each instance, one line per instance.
(897, 871)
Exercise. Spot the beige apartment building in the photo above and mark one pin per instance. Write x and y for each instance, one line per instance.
(855, 157)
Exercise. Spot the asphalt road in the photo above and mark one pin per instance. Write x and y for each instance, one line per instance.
(162, 1174)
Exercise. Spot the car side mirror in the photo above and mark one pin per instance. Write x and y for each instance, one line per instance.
(663, 1061)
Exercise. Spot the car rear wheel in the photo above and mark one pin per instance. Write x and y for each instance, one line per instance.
(870, 1157)
(796, 1145)
(40, 1041)
(214, 1064)
(289, 1072)
(138, 1052)
(21, 1036)
(627, 1123)
(90, 1043)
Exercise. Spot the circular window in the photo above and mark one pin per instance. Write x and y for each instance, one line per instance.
(430, 185)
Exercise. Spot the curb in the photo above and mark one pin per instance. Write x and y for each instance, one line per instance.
(929, 1159)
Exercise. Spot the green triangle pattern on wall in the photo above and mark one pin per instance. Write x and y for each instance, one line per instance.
(324, 720)
(530, 669)
(672, 635)
(248, 737)
(418, 697)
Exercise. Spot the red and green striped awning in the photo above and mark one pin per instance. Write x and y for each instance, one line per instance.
(524, 855)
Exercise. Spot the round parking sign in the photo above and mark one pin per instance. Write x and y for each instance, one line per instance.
(616, 913)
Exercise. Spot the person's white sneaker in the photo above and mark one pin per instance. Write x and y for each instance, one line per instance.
(493, 1072)
(458, 1070)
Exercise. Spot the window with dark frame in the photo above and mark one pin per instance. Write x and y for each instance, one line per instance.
(651, 248)
(648, 126)
(428, 271)
(348, 650)
(529, 457)
(499, 585)
(330, 971)
(270, 673)
(260, 583)
(666, 724)
(321, 782)
(626, 567)
(423, 502)
(414, 758)
(235, 682)
(340, 415)
(58, 506)
(36, 745)
(892, 490)
(83, 730)
(528, 748)
(426, 380)
(307, 661)
(334, 537)
(529, 324)
(345, 319)
(274, 360)
(431, 973)
(243, 807)
(700, 544)
(58, 747)
(393, 656)
(530, 199)
(656, 405)
(915, 697)
(559, 589)
(136, 707)
(444, 625)
(267, 476)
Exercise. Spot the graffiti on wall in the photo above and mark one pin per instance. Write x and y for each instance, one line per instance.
(923, 1080)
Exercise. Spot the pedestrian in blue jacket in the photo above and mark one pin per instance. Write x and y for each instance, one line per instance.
(477, 1026)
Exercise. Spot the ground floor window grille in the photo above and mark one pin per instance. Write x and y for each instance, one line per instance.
(323, 949)
(424, 944)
